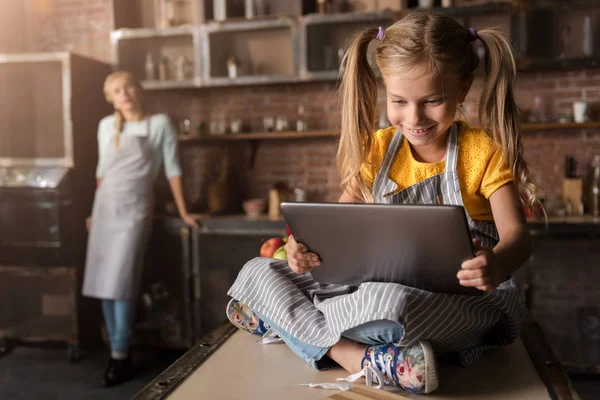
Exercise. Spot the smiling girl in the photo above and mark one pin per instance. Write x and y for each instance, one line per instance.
(388, 332)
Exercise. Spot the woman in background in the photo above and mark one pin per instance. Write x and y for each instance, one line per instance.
(132, 146)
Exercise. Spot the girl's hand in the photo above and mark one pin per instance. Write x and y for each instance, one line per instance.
(299, 258)
(482, 271)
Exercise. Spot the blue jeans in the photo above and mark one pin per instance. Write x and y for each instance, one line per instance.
(119, 316)
(372, 333)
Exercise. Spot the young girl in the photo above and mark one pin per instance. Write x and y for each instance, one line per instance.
(132, 146)
(387, 331)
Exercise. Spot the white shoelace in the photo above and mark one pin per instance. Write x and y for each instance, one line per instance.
(270, 337)
(372, 373)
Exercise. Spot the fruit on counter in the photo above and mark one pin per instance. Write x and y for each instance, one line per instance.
(269, 247)
(280, 253)
(288, 231)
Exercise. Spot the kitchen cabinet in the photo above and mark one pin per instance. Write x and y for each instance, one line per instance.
(187, 275)
(564, 298)
(220, 249)
(323, 39)
(263, 51)
(165, 317)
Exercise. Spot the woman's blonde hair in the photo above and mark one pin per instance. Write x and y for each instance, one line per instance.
(441, 46)
(110, 79)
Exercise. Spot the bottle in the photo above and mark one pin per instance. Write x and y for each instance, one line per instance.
(595, 187)
(588, 36)
(150, 68)
(163, 69)
(167, 13)
(250, 9)
(300, 123)
(220, 10)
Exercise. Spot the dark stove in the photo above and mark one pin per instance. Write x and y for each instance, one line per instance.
(35, 215)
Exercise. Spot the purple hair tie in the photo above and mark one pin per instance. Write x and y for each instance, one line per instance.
(380, 34)
(472, 35)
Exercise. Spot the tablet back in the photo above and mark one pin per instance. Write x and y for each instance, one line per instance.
(421, 246)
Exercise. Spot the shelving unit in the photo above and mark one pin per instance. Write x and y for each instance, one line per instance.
(308, 48)
(560, 43)
(130, 47)
(264, 48)
(323, 40)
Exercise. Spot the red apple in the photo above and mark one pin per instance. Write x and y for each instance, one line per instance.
(288, 231)
(270, 246)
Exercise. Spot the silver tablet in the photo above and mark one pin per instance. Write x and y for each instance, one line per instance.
(421, 246)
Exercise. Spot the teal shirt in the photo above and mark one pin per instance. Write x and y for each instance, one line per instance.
(162, 138)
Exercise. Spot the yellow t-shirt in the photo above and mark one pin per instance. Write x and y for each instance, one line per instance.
(480, 165)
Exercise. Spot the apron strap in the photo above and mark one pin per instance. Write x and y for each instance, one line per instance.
(451, 160)
(384, 171)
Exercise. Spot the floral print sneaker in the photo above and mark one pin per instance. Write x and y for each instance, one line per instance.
(244, 318)
(412, 368)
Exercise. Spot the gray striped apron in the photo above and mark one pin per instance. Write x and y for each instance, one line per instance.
(121, 220)
(318, 314)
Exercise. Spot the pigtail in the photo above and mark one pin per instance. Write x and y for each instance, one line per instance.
(118, 128)
(359, 115)
(498, 112)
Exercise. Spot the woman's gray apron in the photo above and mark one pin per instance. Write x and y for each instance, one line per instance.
(121, 220)
(319, 313)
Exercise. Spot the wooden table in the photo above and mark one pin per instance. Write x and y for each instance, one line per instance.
(229, 364)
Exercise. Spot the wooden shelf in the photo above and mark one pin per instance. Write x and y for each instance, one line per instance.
(333, 134)
(558, 125)
(254, 24)
(246, 80)
(350, 17)
(478, 9)
(170, 84)
(526, 64)
(260, 136)
(148, 33)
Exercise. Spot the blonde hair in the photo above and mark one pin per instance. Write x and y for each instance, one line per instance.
(110, 79)
(441, 46)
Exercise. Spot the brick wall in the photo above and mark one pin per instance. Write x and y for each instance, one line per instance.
(81, 26)
(310, 163)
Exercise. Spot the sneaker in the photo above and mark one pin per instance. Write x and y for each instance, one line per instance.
(117, 372)
(412, 368)
(245, 319)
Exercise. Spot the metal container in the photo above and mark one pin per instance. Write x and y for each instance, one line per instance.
(595, 186)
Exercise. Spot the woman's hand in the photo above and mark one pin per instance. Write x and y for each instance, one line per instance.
(88, 223)
(191, 221)
(299, 258)
(482, 271)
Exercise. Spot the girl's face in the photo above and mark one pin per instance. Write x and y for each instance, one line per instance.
(423, 108)
(125, 95)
